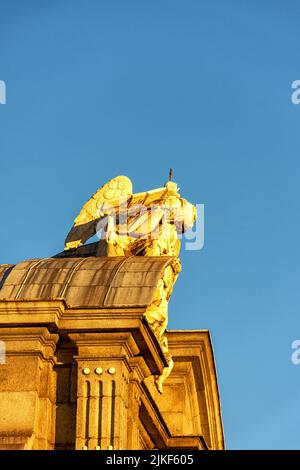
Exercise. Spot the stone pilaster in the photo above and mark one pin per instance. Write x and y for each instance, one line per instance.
(102, 389)
(27, 389)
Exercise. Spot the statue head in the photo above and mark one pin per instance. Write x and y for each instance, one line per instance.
(180, 213)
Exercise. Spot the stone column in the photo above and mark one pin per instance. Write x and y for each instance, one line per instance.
(27, 388)
(102, 389)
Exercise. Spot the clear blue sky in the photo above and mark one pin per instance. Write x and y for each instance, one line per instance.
(101, 88)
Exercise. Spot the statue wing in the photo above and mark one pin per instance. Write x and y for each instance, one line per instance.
(110, 194)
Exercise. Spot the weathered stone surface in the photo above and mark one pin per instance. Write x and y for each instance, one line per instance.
(83, 376)
(88, 282)
(27, 387)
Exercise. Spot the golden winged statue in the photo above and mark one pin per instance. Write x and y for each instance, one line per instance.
(146, 223)
(141, 224)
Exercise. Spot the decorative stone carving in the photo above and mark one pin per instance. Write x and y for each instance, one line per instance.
(143, 224)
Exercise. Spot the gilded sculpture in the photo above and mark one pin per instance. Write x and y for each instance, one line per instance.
(141, 224)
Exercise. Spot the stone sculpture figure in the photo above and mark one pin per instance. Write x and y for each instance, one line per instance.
(141, 224)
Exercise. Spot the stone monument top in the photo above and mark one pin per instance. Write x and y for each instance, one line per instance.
(140, 224)
(87, 361)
